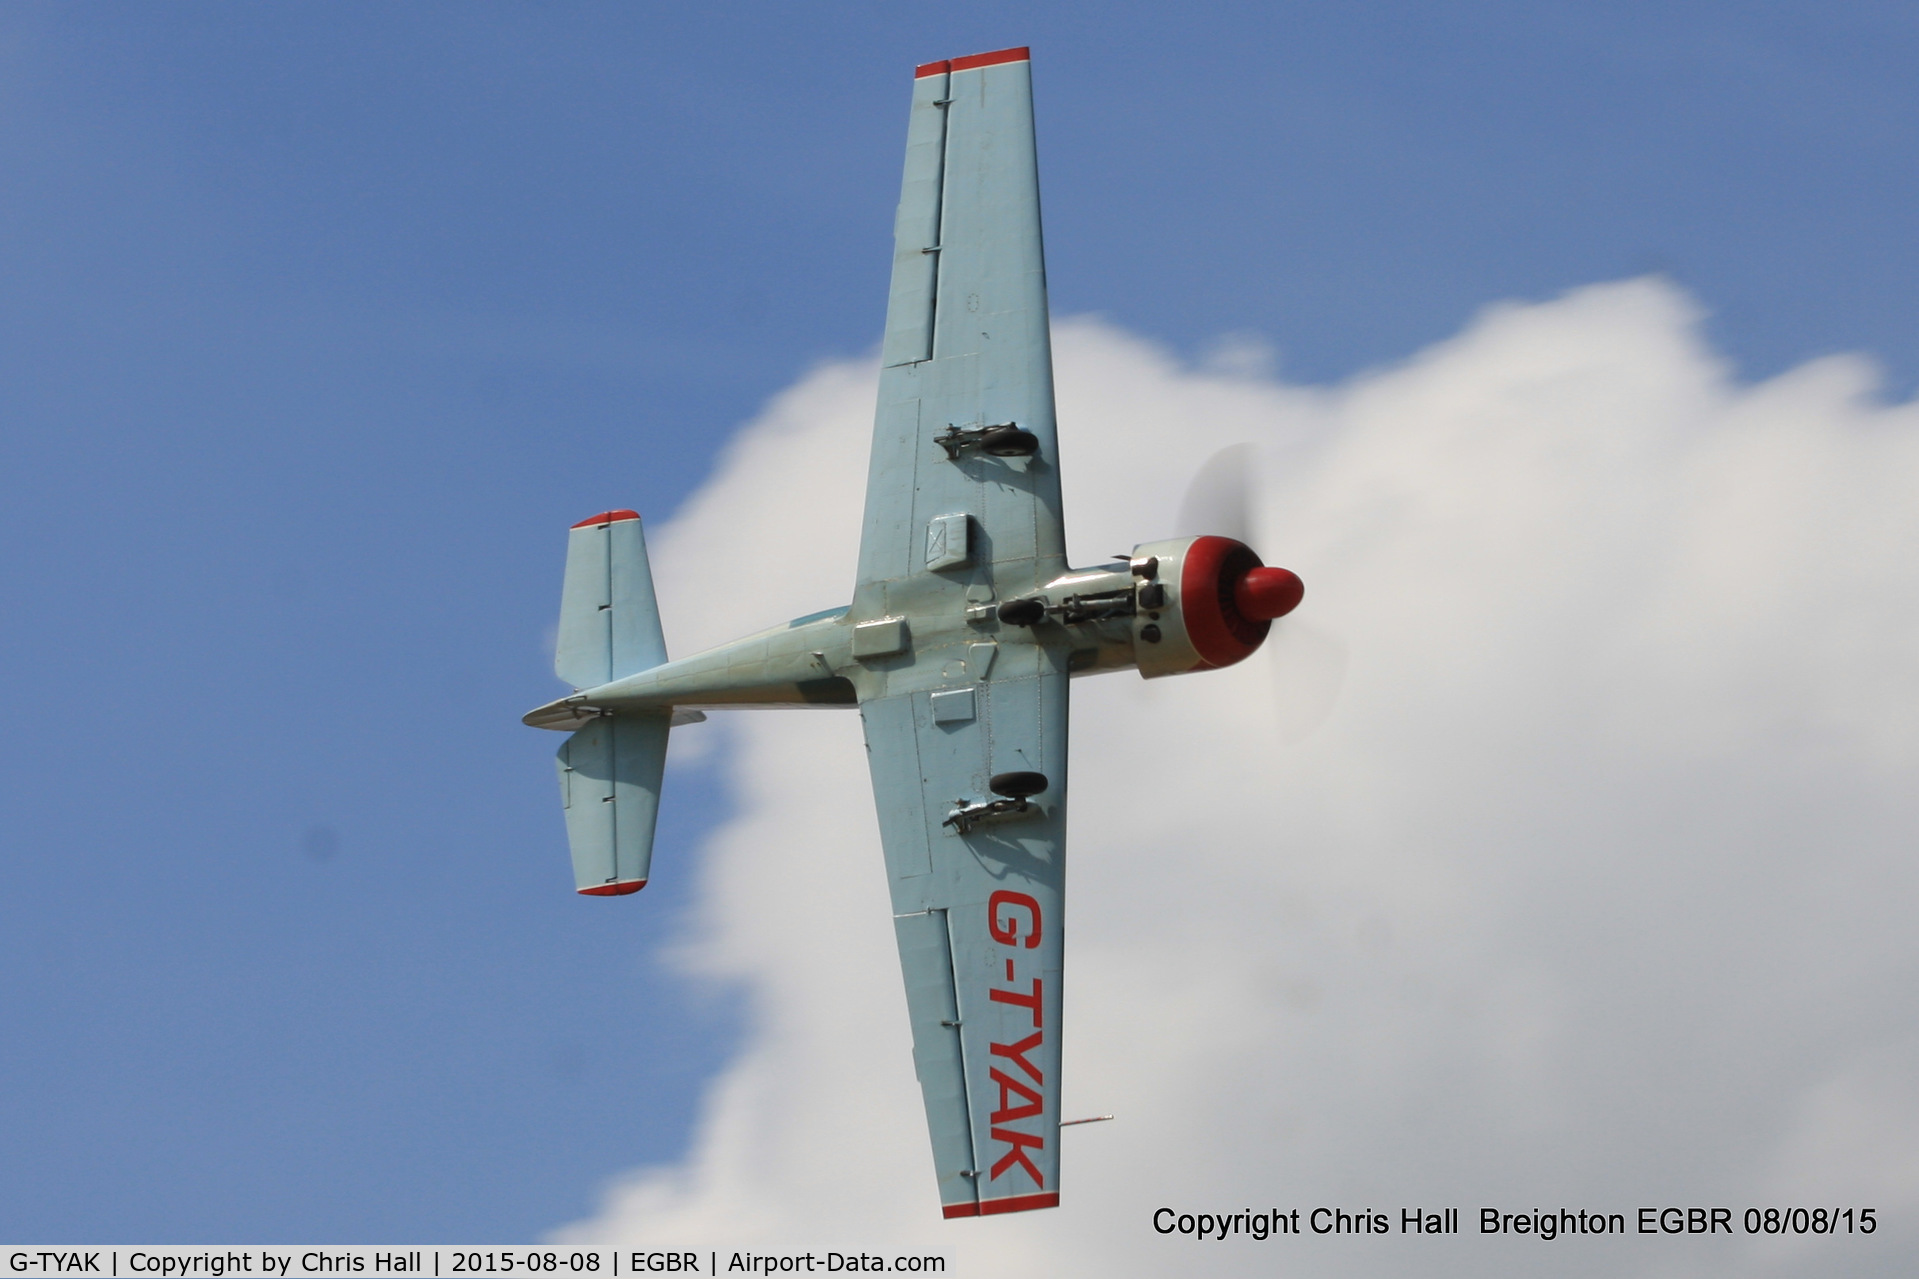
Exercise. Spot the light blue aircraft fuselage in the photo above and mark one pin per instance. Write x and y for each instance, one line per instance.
(964, 628)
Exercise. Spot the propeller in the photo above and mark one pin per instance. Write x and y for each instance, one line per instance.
(1308, 663)
(1219, 498)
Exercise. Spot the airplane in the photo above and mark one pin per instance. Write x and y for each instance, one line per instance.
(965, 630)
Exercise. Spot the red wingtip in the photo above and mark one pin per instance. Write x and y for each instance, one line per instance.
(1268, 593)
(620, 889)
(1011, 1203)
(973, 60)
(1019, 1203)
(607, 517)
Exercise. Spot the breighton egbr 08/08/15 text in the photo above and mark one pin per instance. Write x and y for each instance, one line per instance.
(1540, 1223)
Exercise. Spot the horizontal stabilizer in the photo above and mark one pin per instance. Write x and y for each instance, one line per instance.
(609, 622)
(610, 784)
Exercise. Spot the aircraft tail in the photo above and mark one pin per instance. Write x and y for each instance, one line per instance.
(610, 770)
(610, 785)
(609, 622)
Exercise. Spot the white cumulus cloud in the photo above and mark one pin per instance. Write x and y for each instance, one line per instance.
(1557, 853)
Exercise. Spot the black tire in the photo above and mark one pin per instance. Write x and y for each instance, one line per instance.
(1026, 612)
(1009, 441)
(1018, 785)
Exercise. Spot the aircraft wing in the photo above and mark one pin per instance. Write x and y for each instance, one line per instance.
(963, 510)
(979, 918)
(967, 342)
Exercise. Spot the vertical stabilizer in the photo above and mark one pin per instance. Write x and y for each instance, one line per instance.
(609, 622)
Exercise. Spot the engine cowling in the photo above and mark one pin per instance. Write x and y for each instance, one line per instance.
(1204, 603)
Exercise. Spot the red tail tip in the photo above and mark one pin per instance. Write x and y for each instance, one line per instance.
(619, 889)
(1266, 593)
(972, 60)
(607, 517)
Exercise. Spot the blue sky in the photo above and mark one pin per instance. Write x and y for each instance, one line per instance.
(323, 322)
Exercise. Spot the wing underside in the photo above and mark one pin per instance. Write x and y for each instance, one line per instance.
(979, 917)
(967, 339)
(952, 698)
